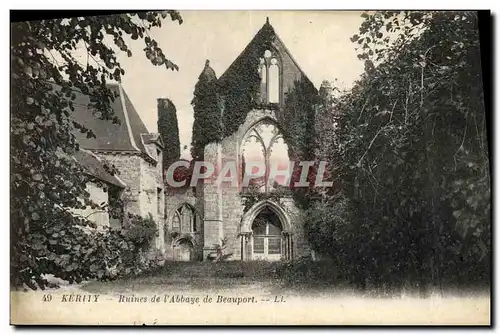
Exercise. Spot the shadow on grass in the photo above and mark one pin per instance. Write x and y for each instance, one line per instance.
(196, 276)
(264, 278)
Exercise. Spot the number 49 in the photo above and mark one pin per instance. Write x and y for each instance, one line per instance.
(47, 298)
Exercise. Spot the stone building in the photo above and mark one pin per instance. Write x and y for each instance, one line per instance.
(193, 222)
(134, 152)
(200, 219)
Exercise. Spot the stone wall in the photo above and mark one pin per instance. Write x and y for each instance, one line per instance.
(129, 167)
(224, 205)
(212, 202)
(175, 198)
(144, 192)
(289, 71)
(297, 217)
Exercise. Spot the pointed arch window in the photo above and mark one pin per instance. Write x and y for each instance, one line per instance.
(269, 70)
(264, 143)
(184, 220)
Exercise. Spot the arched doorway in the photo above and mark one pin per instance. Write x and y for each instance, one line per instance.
(266, 233)
(267, 236)
(183, 250)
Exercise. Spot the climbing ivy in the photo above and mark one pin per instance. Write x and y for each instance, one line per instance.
(240, 84)
(208, 108)
(168, 128)
(297, 119)
(253, 195)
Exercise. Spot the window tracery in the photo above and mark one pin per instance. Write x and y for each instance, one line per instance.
(269, 71)
(264, 143)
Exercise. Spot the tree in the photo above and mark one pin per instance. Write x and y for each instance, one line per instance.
(411, 152)
(46, 183)
(169, 130)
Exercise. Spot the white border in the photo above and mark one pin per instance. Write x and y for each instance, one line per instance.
(188, 5)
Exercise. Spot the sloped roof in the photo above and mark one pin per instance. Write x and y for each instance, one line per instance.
(116, 137)
(95, 167)
(153, 138)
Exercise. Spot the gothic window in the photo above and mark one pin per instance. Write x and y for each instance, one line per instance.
(264, 145)
(184, 220)
(274, 78)
(269, 71)
(263, 80)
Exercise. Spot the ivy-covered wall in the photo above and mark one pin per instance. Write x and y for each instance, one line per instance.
(226, 108)
(208, 108)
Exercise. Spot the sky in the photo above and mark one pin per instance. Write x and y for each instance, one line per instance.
(318, 40)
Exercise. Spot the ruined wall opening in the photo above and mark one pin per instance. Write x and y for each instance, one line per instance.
(264, 156)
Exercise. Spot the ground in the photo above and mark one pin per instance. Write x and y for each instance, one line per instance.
(264, 299)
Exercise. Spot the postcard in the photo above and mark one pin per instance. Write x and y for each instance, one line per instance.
(250, 168)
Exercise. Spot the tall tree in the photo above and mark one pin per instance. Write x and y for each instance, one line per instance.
(46, 183)
(411, 151)
(168, 127)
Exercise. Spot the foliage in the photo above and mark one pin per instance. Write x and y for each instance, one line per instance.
(311, 274)
(297, 119)
(76, 253)
(208, 108)
(252, 196)
(141, 231)
(122, 251)
(241, 82)
(409, 147)
(46, 181)
(327, 225)
(168, 127)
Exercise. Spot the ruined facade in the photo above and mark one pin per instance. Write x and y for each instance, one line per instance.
(271, 227)
(207, 220)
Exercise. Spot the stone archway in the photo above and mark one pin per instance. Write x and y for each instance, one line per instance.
(266, 232)
(183, 249)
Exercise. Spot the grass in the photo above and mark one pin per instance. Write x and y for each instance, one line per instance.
(195, 276)
(260, 277)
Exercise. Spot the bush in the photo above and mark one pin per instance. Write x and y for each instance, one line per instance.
(78, 253)
(307, 271)
(141, 231)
